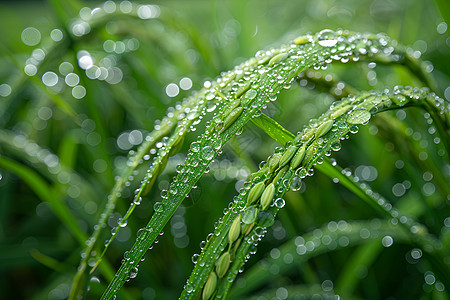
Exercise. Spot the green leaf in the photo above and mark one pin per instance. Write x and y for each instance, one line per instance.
(265, 219)
(249, 215)
(273, 129)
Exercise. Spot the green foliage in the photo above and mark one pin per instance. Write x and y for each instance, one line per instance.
(102, 134)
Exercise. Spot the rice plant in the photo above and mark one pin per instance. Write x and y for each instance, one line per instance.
(138, 124)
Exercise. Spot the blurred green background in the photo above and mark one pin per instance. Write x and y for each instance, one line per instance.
(88, 88)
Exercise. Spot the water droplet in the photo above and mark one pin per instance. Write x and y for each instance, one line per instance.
(279, 202)
(211, 107)
(354, 129)
(195, 147)
(296, 184)
(179, 168)
(158, 207)
(336, 146)
(195, 258)
(133, 272)
(327, 38)
(359, 116)
(173, 190)
(137, 200)
(202, 244)
(217, 144)
(122, 223)
(78, 92)
(164, 194)
(208, 153)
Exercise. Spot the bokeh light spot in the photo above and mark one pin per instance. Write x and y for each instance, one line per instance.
(30, 69)
(5, 90)
(387, 241)
(78, 92)
(185, 83)
(31, 36)
(115, 76)
(65, 68)
(126, 7)
(56, 35)
(72, 79)
(109, 6)
(148, 11)
(172, 90)
(50, 78)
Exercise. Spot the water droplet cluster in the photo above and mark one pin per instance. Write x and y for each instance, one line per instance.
(229, 102)
(284, 170)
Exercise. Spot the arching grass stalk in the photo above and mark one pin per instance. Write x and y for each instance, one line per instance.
(112, 62)
(235, 98)
(255, 82)
(317, 141)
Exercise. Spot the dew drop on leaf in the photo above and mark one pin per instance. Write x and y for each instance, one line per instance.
(195, 147)
(133, 272)
(158, 207)
(179, 168)
(217, 144)
(210, 96)
(137, 200)
(195, 258)
(279, 202)
(208, 153)
(354, 129)
(359, 116)
(202, 244)
(296, 183)
(173, 190)
(194, 163)
(327, 38)
(211, 108)
(336, 146)
(122, 223)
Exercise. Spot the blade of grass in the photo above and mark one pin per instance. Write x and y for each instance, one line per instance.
(264, 83)
(364, 256)
(273, 129)
(215, 245)
(258, 276)
(44, 192)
